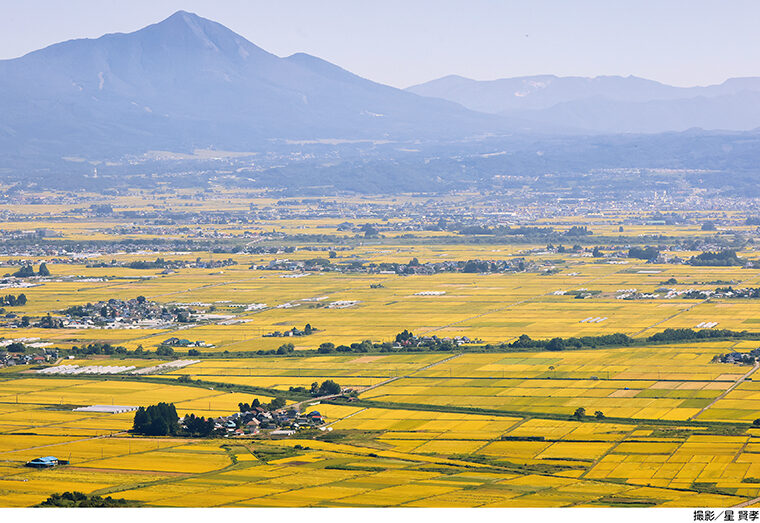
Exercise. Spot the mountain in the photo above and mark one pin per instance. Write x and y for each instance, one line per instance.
(189, 82)
(606, 104)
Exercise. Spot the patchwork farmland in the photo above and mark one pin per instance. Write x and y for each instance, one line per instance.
(471, 371)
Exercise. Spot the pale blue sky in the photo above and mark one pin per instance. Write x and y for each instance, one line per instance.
(401, 43)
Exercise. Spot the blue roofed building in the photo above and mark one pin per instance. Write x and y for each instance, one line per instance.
(42, 463)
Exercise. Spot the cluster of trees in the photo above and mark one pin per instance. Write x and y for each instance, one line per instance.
(16, 346)
(709, 226)
(578, 230)
(167, 351)
(50, 322)
(557, 344)
(328, 387)
(726, 258)
(198, 426)
(329, 347)
(13, 301)
(644, 253)
(108, 349)
(506, 230)
(156, 420)
(580, 413)
(468, 266)
(78, 310)
(316, 262)
(369, 230)
(99, 348)
(286, 348)
(27, 271)
(160, 263)
(669, 335)
(277, 403)
(427, 344)
(404, 336)
(619, 339)
(77, 499)
(477, 266)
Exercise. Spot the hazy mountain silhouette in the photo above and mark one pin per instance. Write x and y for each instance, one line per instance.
(608, 104)
(189, 82)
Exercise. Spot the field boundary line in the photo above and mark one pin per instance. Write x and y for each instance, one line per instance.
(742, 449)
(687, 309)
(346, 417)
(498, 438)
(726, 392)
(394, 378)
(606, 453)
(65, 442)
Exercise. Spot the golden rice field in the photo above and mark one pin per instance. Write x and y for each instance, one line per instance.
(489, 429)
(491, 307)
(387, 456)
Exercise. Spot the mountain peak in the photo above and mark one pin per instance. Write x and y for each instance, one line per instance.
(183, 21)
(194, 34)
(184, 17)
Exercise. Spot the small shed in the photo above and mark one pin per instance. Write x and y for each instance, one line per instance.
(43, 463)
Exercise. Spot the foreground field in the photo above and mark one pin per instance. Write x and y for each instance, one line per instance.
(664, 440)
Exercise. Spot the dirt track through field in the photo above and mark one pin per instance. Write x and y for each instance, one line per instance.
(725, 393)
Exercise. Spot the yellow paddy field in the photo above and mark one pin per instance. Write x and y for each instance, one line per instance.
(488, 426)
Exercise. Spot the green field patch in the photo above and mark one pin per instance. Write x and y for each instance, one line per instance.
(695, 403)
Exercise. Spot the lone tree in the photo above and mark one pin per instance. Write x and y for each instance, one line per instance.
(44, 271)
(579, 413)
(286, 348)
(326, 348)
(599, 414)
(164, 350)
(329, 387)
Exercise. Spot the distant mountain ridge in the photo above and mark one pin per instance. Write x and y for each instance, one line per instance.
(190, 82)
(606, 104)
(134, 104)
